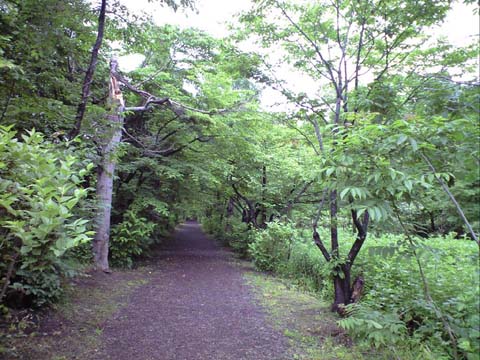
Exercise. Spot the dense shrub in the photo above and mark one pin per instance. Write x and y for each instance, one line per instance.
(271, 247)
(236, 235)
(394, 312)
(40, 187)
(239, 239)
(395, 309)
(308, 268)
(214, 226)
(285, 250)
(130, 239)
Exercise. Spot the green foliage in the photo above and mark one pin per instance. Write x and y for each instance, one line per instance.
(48, 42)
(41, 185)
(240, 239)
(284, 249)
(393, 313)
(130, 239)
(178, 164)
(271, 247)
(394, 309)
(308, 268)
(374, 327)
(214, 226)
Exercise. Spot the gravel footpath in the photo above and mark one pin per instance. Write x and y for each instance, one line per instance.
(195, 306)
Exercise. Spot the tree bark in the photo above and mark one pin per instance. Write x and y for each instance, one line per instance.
(433, 228)
(263, 209)
(342, 290)
(249, 214)
(357, 289)
(341, 279)
(228, 216)
(87, 82)
(113, 135)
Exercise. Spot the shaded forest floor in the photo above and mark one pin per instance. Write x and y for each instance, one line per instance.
(191, 300)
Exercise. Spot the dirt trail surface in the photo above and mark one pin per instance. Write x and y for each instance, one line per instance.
(196, 306)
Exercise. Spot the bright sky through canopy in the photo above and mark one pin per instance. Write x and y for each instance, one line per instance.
(461, 27)
(461, 23)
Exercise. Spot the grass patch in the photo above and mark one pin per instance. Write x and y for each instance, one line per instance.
(72, 328)
(304, 319)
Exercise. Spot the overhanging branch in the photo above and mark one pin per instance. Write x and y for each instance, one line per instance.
(177, 107)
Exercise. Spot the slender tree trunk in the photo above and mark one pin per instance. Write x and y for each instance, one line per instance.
(7, 101)
(244, 216)
(87, 82)
(341, 280)
(8, 275)
(228, 217)
(263, 210)
(113, 135)
(452, 198)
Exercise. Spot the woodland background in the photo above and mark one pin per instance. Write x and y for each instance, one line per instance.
(365, 189)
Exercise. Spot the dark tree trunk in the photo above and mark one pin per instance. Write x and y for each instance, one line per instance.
(334, 224)
(263, 209)
(252, 215)
(342, 289)
(341, 278)
(244, 216)
(8, 275)
(87, 82)
(433, 228)
(345, 293)
(228, 216)
(249, 213)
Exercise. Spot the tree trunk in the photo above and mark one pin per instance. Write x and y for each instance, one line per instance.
(342, 289)
(113, 135)
(263, 209)
(433, 228)
(87, 82)
(228, 217)
(244, 216)
(341, 279)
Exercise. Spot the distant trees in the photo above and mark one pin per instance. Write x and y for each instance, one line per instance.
(356, 126)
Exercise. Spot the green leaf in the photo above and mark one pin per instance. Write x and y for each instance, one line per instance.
(344, 193)
(414, 144)
(329, 171)
(401, 139)
(408, 184)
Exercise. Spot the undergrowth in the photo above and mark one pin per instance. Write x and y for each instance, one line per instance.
(394, 315)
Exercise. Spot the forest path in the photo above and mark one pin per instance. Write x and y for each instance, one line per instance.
(195, 305)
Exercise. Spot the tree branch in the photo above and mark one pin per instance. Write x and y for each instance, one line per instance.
(82, 106)
(316, 236)
(314, 45)
(362, 227)
(452, 198)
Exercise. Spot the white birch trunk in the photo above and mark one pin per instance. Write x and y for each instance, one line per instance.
(112, 137)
